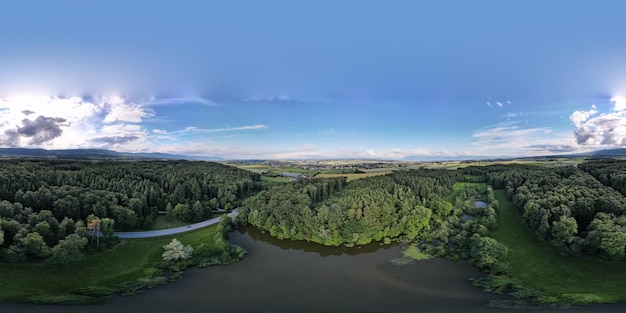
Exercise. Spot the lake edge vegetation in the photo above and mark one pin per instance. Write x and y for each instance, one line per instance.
(581, 218)
(59, 217)
(566, 213)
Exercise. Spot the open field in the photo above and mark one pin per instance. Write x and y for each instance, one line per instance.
(336, 168)
(452, 165)
(257, 168)
(107, 269)
(356, 176)
(540, 266)
(262, 168)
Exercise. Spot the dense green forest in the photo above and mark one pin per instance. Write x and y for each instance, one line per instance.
(332, 212)
(567, 207)
(404, 205)
(47, 206)
(609, 172)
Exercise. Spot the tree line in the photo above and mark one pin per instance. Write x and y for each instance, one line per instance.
(568, 207)
(609, 172)
(404, 204)
(47, 207)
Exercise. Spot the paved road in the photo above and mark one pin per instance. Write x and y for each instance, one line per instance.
(171, 231)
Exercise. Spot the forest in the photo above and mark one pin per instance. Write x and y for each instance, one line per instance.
(568, 207)
(47, 207)
(412, 206)
(577, 209)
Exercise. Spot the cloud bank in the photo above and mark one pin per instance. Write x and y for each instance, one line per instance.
(41, 130)
(72, 122)
(605, 129)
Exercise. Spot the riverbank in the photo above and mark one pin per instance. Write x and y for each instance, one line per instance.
(124, 269)
(306, 277)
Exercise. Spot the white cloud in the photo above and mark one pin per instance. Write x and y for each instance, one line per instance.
(505, 132)
(619, 103)
(70, 122)
(120, 111)
(282, 98)
(606, 129)
(510, 115)
(219, 130)
(77, 113)
(579, 117)
(154, 101)
(489, 103)
(513, 139)
(499, 103)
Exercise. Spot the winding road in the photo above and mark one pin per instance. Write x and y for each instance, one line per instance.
(171, 231)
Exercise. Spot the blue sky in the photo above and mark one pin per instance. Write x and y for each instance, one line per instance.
(311, 79)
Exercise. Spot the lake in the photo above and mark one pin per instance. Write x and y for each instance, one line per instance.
(285, 276)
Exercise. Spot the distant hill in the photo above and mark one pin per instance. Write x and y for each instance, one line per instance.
(599, 153)
(607, 152)
(441, 158)
(94, 154)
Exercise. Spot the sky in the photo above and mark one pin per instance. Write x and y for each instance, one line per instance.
(314, 79)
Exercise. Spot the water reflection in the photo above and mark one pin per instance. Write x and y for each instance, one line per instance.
(292, 276)
(305, 246)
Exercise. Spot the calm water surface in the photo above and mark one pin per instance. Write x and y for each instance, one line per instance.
(285, 276)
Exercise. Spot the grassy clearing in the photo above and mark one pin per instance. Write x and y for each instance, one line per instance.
(352, 176)
(561, 278)
(165, 222)
(458, 187)
(22, 282)
(261, 168)
(257, 168)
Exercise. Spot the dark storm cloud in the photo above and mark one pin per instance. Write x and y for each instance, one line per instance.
(112, 140)
(584, 136)
(11, 138)
(40, 130)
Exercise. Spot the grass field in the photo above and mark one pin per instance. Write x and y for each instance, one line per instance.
(457, 189)
(261, 168)
(453, 165)
(19, 282)
(165, 222)
(540, 266)
(354, 176)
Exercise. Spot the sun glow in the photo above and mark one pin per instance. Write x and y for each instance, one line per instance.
(619, 102)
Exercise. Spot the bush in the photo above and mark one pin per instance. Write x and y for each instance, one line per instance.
(488, 254)
(175, 251)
